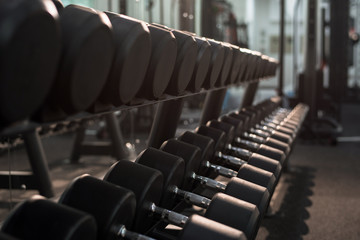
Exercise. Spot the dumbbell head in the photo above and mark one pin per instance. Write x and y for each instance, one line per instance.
(190, 154)
(187, 51)
(216, 63)
(220, 138)
(29, 40)
(198, 227)
(42, 219)
(162, 62)
(202, 65)
(235, 66)
(227, 128)
(222, 209)
(145, 182)
(236, 123)
(172, 167)
(132, 55)
(87, 54)
(111, 205)
(205, 144)
(226, 67)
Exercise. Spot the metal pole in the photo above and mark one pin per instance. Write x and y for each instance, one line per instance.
(310, 80)
(281, 48)
(339, 45)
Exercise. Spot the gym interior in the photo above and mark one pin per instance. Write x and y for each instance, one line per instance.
(179, 119)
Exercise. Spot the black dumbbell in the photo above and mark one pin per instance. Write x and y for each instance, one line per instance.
(226, 67)
(246, 171)
(39, 218)
(162, 63)
(236, 66)
(173, 169)
(216, 63)
(131, 60)
(87, 54)
(147, 184)
(187, 50)
(244, 66)
(202, 65)
(29, 40)
(235, 187)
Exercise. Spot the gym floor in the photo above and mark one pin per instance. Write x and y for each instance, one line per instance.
(318, 198)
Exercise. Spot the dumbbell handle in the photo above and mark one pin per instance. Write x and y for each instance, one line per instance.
(254, 137)
(124, 233)
(170, 216)
(211, 183)
(231, 159)
(259, 132)
(250, 144)
(193, 198)
(223, 171)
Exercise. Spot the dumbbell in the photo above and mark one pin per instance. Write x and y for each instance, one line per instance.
(29, 40)
(39, 218)
(187, 50)
(216, 63)
(236, 66)
(202, 65)
(235, 187)
(276, 149)
(87, 54)
(246, 171)
(244, 67)
(131, 60)
(226, 67)
(173, 169)
(162, 63)
(147, 184)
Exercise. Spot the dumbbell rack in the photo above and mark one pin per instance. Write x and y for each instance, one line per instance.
(39, 178)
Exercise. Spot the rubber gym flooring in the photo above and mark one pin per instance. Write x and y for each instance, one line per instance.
(318, 198)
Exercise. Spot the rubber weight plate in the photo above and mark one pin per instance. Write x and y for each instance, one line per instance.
(111, 205)
(88, 49)
(29, 54)
(132, 56)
